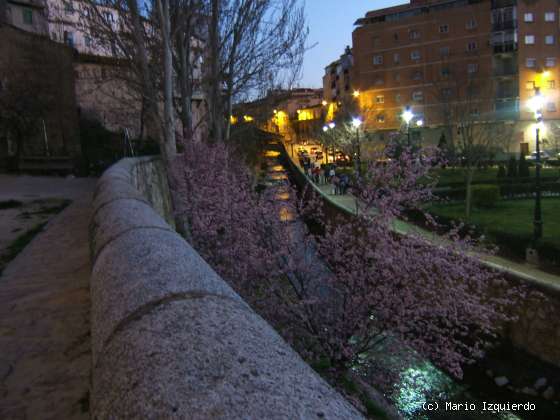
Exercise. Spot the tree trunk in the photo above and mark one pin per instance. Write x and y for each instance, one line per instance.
(185, 82)
(468, 198)
(215, 80)
(170, 146)
(148, 90)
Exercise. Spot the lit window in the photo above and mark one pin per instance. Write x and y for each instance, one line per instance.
(471, 24)
(471, 46)
(380, 99)
(377, 59)
(444, 51)
(396, 58)
(530, 62)
(551, 107)
(380, 118)
(443, 29)
(27, 15)
(417, 96)
(550, 62)
(414, 34)
(529, 39)
(530, 85)
(549, 39)
(415, 55)
(528, 17)
(549, 17)
(472, 68)
(551, 84)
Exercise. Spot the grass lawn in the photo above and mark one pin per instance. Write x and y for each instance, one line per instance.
(512, 216)
(452, 175)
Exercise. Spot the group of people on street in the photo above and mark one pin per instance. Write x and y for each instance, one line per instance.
(324, 174)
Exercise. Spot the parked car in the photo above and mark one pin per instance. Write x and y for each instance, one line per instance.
(543, 155)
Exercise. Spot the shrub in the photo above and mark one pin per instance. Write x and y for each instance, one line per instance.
(501, 172)
(512, 168)
(485, 195)
(523, 167)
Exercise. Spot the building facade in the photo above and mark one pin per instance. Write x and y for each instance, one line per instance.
(444, 59)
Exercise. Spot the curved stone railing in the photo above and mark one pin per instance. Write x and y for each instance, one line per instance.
(170, 339)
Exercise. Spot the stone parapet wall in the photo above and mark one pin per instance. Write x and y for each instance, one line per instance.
(170, 339)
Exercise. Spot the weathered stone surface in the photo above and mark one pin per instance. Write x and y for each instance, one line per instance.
(208, 358)
(141, 267)
(170, 339)
(117, 217)
(116, 190)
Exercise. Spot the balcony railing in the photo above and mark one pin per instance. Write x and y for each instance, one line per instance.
(504, 25)
(507, 47)
(506, 71)
(498, 4)
(506, 109)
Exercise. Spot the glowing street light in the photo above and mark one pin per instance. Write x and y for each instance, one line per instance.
(324, 103)
(332, 125)
(356, 123)
(356, 93)
(420, 123)
(407, 117)
(536, 104)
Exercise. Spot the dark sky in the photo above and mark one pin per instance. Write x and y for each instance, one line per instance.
(330, 26)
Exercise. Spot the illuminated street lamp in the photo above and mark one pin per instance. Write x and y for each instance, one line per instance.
(356, 93)
(536, 105)
(326, 128)
(420, 123)
(356, 123)
(407, 117)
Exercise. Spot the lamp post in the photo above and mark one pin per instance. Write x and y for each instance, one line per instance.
(536, 105)
(407, 117)
(326, 128)
(356, 123)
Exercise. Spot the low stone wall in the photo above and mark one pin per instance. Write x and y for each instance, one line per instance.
(170, 339)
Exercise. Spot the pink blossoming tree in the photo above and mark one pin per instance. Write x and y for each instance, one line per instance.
(338, 294)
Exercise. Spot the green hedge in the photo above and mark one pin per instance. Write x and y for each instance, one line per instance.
(505, 190)
(511, 245)
(485, 195)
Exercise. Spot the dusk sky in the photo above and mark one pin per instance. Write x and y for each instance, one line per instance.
(331, 23)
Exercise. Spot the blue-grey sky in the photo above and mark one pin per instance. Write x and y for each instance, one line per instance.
(331, 23)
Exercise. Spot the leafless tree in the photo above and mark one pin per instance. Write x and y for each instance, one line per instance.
(254, 45)
(467, 111)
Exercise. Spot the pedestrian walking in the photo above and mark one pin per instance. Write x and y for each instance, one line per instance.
(335, 183)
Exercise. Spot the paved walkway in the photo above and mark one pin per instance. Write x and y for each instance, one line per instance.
(347, 202)
(44, 309)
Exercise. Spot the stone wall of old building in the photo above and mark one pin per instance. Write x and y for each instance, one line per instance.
(39, 119)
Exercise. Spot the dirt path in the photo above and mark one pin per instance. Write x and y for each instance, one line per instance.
(44, 313)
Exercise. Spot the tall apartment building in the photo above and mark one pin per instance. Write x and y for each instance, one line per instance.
(337, 81)
(434, 55)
